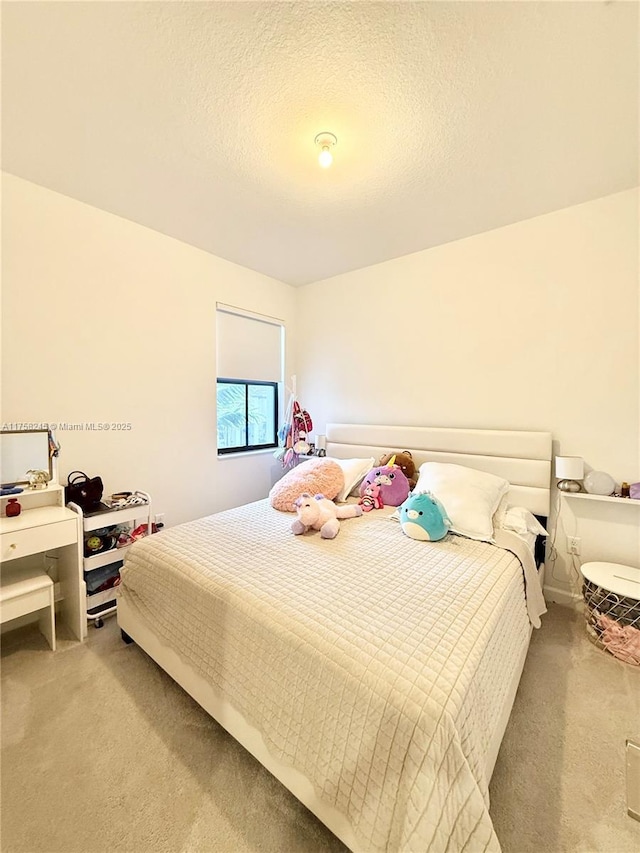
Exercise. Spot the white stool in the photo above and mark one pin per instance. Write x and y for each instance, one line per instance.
(25, 591)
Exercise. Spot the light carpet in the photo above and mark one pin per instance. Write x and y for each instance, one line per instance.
(101, 751)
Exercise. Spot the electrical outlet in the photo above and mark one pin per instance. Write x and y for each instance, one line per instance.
(573, 545)
(159, 518)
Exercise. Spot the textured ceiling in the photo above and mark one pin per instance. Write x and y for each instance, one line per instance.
(198, 119)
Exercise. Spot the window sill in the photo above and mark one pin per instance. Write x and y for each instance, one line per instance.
(242, 454)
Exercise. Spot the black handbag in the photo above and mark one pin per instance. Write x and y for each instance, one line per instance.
(84, 491)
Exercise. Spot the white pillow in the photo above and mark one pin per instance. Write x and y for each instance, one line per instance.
(520, 520)
(354, 471)
(470, 497)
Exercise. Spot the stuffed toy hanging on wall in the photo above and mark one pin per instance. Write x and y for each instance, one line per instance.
(293, 433)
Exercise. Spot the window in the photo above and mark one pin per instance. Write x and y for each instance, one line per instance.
(249, 353)
(247, 415)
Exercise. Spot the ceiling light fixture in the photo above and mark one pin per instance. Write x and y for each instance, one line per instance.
(325, 142)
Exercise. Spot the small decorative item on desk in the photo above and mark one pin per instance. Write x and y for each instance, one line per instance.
(599, 483)
(38, 479)
(13, 508)
(625, 490)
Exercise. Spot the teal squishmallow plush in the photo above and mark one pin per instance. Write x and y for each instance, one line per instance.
(422, 516)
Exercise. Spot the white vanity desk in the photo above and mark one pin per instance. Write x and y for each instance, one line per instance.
(45, 526)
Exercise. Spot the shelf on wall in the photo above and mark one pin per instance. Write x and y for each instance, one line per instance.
(586, 497)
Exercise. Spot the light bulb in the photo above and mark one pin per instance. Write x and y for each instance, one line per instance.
(325, 157)
(325, 142)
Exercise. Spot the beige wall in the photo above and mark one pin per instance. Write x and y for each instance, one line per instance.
(105, 320)
(531, 326)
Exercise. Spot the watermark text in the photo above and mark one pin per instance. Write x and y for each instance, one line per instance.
(68, 426)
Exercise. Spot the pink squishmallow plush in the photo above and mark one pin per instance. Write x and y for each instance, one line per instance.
(394, 486)
(312, 476)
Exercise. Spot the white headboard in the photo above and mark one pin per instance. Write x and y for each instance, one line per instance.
(523, 458)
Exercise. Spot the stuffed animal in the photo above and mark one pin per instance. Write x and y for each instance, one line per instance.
(405, 461)
(371, 499)
(321, 514)
(394, 486)
(422, 516)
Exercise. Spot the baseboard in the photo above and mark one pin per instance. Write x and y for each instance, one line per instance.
(557, 595)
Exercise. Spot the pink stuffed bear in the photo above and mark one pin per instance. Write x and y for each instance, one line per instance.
(371, 499)
(319, 513)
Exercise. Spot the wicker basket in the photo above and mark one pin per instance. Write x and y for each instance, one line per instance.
(613, 619)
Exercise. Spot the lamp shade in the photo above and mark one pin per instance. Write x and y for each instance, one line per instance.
(569, 467)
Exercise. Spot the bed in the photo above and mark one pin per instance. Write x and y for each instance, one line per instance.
(372, 674)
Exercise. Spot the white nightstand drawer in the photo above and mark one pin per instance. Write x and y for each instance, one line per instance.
(33, 540)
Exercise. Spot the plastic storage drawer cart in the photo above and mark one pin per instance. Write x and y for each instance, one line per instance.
(103, 555)
(612, 608)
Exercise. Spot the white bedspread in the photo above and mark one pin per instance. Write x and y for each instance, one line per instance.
(375, 664)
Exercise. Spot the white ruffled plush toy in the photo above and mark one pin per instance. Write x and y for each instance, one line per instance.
(319, 513)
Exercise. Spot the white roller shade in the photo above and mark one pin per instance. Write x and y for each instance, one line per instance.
(248, 346)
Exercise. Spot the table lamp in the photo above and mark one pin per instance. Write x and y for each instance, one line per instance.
(569, 469)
